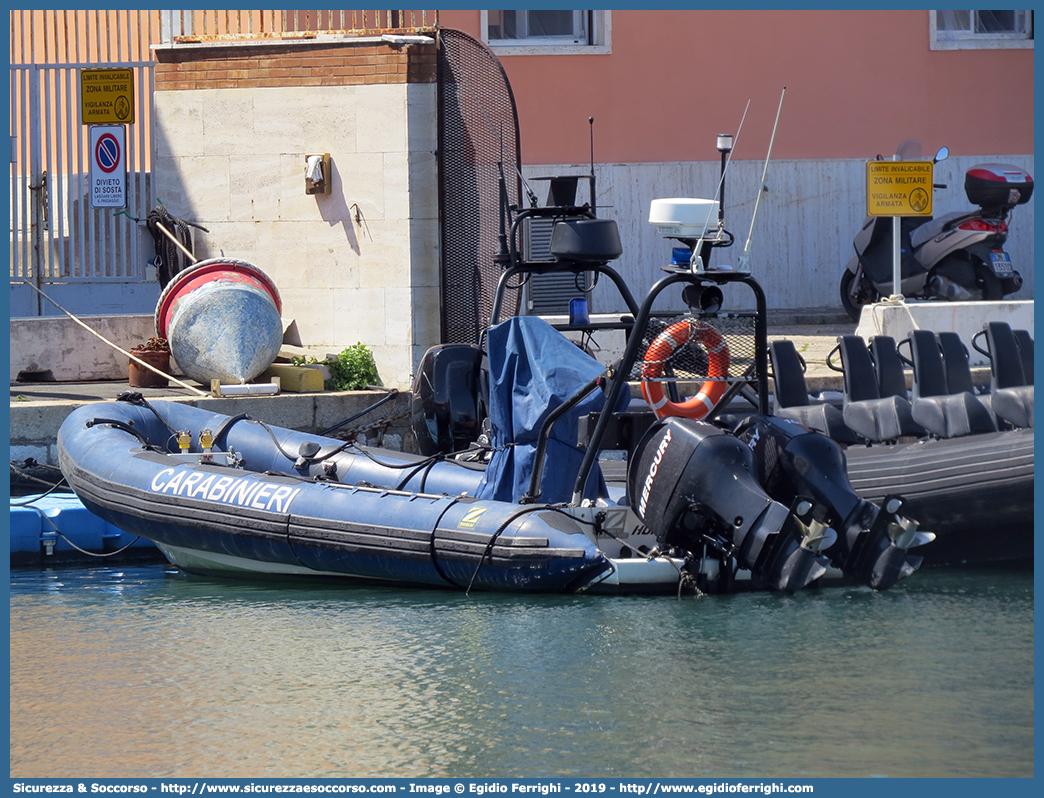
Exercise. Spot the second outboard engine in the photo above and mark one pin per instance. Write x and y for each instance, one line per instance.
(449, 399)
(872, 541)
(693, 484)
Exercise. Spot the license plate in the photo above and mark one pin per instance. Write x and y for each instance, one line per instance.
(1001, 262)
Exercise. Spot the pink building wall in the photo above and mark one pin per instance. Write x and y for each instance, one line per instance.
(857, 83)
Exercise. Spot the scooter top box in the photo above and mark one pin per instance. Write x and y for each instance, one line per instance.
(998, 184)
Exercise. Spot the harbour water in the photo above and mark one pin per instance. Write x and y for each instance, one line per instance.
(144, 672)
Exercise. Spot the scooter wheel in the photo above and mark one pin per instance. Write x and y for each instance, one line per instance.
(853, 309)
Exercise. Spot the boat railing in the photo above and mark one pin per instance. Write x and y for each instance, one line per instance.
(744, 335)
(751, 372)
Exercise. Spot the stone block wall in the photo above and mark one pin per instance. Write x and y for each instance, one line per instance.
(233, 125)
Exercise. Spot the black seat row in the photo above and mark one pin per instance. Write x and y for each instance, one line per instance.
(791, 395)
(941, 410)
(877, 406)
(1011, 372)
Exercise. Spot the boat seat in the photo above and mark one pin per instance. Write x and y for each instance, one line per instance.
(958, 369)
(1025, 342)
(1005, 360)
(791, 396)
(956, 363)
(941, 413)
(1010, 397)
(891, 379)
(865, 411)
(929, 371)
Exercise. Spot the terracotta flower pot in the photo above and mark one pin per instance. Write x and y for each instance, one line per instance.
(141, 377)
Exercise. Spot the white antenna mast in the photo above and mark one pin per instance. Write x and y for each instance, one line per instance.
(695, 261)
(744, 261)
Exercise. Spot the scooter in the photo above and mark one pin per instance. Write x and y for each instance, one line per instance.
(958, 257)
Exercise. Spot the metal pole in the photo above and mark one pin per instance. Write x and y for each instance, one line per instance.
(897, 276)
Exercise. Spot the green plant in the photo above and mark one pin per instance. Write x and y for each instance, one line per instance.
(301, 360)
(353, 370)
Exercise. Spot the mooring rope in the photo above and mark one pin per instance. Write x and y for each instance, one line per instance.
(58, 532)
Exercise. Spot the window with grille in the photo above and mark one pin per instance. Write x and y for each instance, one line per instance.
(953, 29)
(533, 32)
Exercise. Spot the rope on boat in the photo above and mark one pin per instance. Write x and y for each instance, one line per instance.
(58, 532)
(52, 486)
(488, 552)
(433, 553)
(386, 398)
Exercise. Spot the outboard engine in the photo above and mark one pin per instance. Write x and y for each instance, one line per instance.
(449, 399)
(872, 541)
(692, 484)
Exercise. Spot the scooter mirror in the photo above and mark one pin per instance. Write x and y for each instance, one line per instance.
(942, 154)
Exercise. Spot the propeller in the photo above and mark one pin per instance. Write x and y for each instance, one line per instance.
(817, 537)
(905, 535)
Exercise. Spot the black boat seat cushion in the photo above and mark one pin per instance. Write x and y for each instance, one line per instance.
(1025, 342)
(865, 411)
(940, 413)
(1014, 405)
(928, 368)
(823, 418)
(953, 416)
(891, 379)
(788, 374)
(1010, 397)
(1005, 360)
(791, 396)
(955, 361)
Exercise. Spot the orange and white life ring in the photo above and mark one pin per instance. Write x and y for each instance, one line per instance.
(663, 347)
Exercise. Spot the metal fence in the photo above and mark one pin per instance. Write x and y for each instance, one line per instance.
(186, 27)
(56, 236)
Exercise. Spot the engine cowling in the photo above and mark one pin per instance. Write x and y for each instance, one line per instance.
(872, 541)
(692, 484)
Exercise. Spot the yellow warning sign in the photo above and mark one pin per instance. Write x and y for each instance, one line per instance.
(107, 96)
(899, 188)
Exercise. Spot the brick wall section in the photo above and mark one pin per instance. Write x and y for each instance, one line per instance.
(239, 66)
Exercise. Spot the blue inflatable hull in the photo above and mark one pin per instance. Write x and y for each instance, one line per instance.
(274, 501)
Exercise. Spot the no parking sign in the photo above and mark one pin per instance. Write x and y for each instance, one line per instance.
(108, 172)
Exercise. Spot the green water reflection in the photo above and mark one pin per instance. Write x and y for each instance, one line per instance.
(134, 672)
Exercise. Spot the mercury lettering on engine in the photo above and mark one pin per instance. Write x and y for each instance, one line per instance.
(652, 471)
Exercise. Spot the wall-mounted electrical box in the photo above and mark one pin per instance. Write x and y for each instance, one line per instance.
(317, 174)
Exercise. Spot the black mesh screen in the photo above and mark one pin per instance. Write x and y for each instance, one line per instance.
(680, 349)
(478, 141)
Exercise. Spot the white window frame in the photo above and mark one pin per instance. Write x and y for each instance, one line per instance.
(941, 39)
(599, 37)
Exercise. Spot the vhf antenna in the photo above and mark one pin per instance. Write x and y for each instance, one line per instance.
(696, 263)
(744, 261)
(594, 207)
